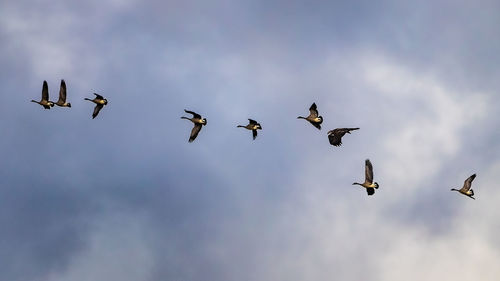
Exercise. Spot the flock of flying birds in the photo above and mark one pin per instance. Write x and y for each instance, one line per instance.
(334, 136)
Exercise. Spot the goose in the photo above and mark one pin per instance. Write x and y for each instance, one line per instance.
(335, 135)
(45, 97)
(99, 101)
(368, 184)
(198, 123)
(313, 117)
(62, 96)
(253, 126)
(466, 189)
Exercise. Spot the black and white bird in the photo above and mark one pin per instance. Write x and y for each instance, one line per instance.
(335, 135)
(466, 189)
(45, 97)
(253, 126)
(313, 117)
(100, 102)
(368, 184)
(198, 123)
(62, 96)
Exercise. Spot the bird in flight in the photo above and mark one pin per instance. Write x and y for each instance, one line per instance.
(253, 126)
(100, 102)
(466, 189)
(198, 123)
(368, 184)
(45, 97)
(335, 136)
(313, 117)
(62, 96)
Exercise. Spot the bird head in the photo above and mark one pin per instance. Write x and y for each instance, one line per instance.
(105, 101)
(204, 121)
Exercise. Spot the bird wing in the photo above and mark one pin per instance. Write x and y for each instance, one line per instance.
(368, 171)
(62, 92)
(253, 122)
(45, 91)
(195, 115)
(99, 96)
(348, 130)
(194, 132)
(468, 183)
(313, 111)
(254, 133)
(370, 191)
(97, 108)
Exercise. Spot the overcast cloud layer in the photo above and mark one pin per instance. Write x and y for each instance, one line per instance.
(126, 197)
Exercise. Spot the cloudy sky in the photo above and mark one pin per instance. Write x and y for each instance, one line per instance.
(125, 197)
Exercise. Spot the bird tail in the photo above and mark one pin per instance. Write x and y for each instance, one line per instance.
(184, 117)
(240, 126)
(87, 99)
(300, 117)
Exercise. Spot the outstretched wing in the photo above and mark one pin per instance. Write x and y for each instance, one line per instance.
(370, 191)
(317, 125)
(97, 108)
(195, 115)
(368, 171)
(468, 183)
(45, 91)
(194, 132)
(62, 92)
(252, 122)
(254, 134)
(98, 96)
(313, 111)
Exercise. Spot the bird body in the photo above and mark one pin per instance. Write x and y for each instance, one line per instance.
(466, 189)
(62, 96)
(335, 136)
(100, 102)
(198, 123)
(369, 184)
(313, 117)
(252, 126)
(45, 97)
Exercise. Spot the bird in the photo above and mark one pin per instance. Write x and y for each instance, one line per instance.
(253, 126)
(198, 123)
(99, 101)
(368, 184)
(466, 189)
(335, 135)
(62, 96)
(45, 97)
(313, 117)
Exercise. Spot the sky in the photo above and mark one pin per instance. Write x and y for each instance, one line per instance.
(125, 197)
